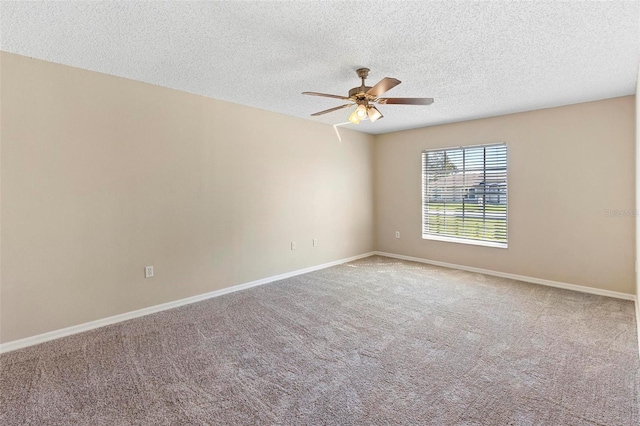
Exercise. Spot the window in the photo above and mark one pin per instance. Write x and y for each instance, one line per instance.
(464, 195)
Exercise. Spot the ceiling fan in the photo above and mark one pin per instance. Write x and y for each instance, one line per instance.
(363, 96)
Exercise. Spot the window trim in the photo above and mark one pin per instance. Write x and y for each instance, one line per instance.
(461, 240)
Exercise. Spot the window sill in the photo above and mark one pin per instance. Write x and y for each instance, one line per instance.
(464, 241)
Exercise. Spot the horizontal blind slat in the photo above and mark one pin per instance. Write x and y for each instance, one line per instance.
(465, 192)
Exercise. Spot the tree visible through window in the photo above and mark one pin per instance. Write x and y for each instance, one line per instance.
(464, 194)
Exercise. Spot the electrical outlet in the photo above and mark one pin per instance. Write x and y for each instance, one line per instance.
(148, 271)
(315, 242)
(397, 234)
(293, 245)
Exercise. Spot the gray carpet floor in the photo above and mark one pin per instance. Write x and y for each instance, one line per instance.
(377, 341)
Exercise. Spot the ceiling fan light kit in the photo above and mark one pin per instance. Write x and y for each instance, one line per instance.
(363, 96)
(373, 113)
(358, 114)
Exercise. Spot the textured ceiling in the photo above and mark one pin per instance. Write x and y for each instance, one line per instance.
(477, 59)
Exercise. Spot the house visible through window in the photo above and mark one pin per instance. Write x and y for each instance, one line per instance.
(464, 194)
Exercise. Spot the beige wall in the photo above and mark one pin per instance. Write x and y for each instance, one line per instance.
(638, 202)
(101, 176)
(567, 167)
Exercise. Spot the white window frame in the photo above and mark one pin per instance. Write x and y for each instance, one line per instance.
(425, 202)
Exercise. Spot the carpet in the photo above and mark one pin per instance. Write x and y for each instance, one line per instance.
(375, 341)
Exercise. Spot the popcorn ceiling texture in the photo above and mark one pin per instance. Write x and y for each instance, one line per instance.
(476, 59)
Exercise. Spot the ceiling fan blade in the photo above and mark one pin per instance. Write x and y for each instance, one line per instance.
(325, 95)
(331, 110)
(405, 101)
(382, 86)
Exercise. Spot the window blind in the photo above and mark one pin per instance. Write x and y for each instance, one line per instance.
(464, 194)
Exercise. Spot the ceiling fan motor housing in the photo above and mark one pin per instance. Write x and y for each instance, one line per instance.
(360, 93)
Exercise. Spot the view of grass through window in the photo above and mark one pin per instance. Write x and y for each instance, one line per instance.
(465, 194)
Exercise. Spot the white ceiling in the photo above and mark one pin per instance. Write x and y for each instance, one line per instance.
(477, 59)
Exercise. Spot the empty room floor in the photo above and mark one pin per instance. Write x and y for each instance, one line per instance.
(374, 341)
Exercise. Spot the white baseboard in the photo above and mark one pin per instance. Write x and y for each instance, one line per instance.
(638, 320)
(56, 334)
(566, 286)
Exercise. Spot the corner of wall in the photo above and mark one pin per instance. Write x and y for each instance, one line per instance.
(374, 184)
(211, 185)
(2, 53)
(637, 163)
